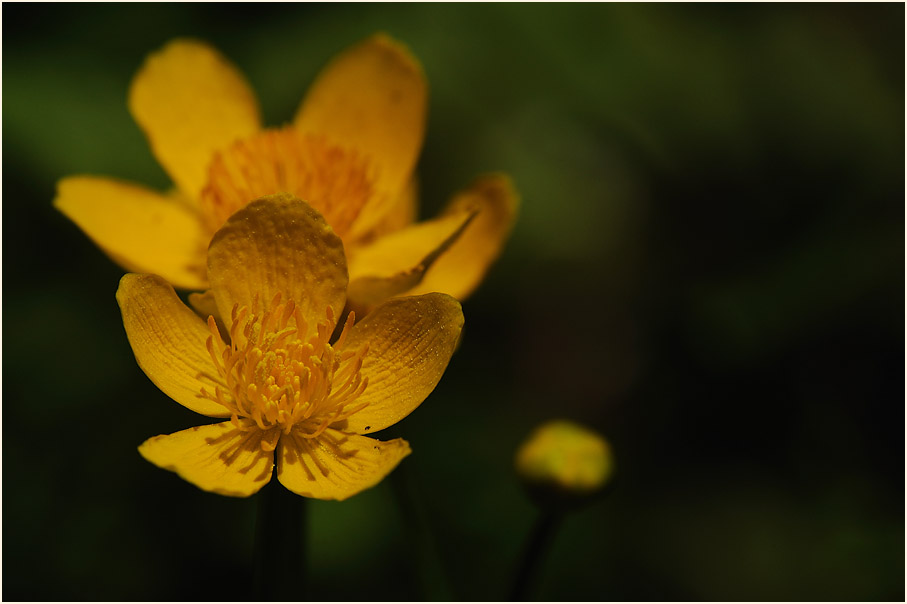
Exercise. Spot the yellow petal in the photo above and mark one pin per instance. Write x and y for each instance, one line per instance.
(408, 254)
(404, 210)
(278, 244)
(372, 97)
(141, 230)
(336, 465)
(168, 340)
(400, 214)
(217, 458)
(410, 342)
(460, 270)
(190, 102)
(203, 304)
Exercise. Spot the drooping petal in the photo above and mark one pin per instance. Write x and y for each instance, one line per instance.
(460, 270)
(218, 458)
(278, 244)
(169, 342)
(373, 98)
(190, 102)
(397, 263)
(336, 465)
(140, 229)
(410, 343)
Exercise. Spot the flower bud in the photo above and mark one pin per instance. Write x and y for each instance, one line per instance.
(564, 462)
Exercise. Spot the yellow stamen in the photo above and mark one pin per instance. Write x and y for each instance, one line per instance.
(350, 320)
(281, 381)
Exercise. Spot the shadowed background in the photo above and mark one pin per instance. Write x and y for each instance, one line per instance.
(708, 269)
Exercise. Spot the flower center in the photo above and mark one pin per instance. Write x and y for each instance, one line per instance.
(277, 380)
(333, 180)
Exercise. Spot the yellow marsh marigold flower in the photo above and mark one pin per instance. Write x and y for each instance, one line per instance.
(564, 458)
(278, 276)
(350, 153)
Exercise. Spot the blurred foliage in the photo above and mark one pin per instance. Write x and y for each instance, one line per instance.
(708, 269)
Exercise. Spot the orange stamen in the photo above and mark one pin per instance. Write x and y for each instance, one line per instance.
(334, 180)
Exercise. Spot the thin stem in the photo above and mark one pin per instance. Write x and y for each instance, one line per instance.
(280, 536)
(536, 550)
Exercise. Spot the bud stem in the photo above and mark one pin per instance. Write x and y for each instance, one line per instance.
(536, 550)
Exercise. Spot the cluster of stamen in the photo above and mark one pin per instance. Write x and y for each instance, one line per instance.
(332, 179)
(278, 381)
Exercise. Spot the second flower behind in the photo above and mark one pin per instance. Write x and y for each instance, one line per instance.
(350, 153)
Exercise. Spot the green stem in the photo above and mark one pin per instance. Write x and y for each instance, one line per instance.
(434, 583)
(280, 536)
(536, 550)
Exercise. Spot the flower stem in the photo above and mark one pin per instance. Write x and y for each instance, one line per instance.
(433, 580)
(537, 547)
(280, 536)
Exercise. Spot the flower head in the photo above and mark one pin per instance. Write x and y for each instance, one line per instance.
(350, 153)
(294, 395)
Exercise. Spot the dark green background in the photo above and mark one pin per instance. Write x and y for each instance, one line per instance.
(708, 269)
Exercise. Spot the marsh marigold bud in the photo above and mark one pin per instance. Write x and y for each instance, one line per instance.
(562, 460)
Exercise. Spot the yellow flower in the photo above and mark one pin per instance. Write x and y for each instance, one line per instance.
(350, 153)
(564, 458)
(278, 276)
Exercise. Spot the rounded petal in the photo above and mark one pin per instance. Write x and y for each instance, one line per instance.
(410, 343)
(336, 465)
(168, 340)
(190, 102)
(278, 244)
(141, 230)
(396, 264)
(460, 270)
(217, 458)
(373, 98)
